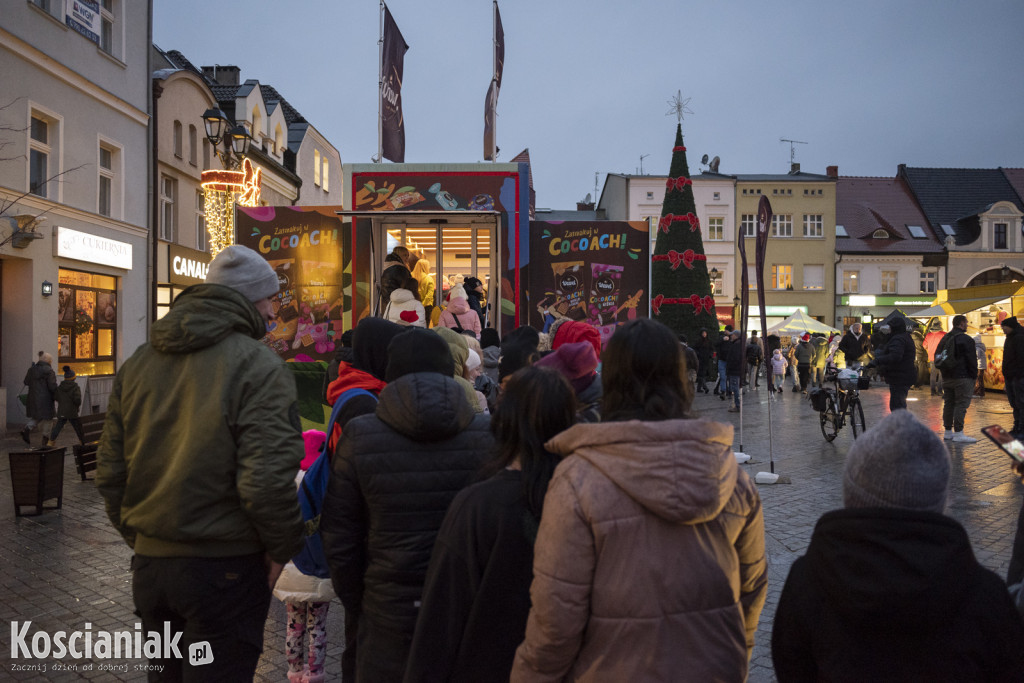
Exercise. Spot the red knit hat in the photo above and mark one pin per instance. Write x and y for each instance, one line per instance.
(571, 331)
(575, 361)
(806, 337)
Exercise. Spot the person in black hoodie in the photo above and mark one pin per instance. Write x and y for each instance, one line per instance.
(722, 347)
(735, 355)
(393, 476)
(474, 296)
(897, 361)
(958, 382)
(889, 588)
(1013, 372)
(477, 593)
(704, 353)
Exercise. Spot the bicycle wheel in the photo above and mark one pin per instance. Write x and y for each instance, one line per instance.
(857, 417)
(829, 420)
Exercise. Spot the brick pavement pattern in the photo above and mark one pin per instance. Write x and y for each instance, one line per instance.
(66, 568)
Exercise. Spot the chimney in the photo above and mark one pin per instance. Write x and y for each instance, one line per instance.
(794, 168)
(584, 206)
(223, 75)
(832, 171)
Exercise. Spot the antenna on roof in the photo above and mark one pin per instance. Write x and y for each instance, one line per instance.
(792, 151)
(642, 156)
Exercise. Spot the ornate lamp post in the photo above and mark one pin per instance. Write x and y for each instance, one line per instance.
(220, 187)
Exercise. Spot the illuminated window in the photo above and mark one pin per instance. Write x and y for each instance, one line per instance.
(782, 225)
(326, 174)
(888, 282)
(715, 228)
(851, 281)
(813, 225)
(86, 322)
(316, 167)
(782, 277)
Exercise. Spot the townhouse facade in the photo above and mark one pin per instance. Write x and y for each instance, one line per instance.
(74, 188)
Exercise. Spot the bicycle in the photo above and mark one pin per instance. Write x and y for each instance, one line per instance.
(842, 404)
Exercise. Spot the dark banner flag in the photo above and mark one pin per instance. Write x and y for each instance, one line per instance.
(392, 123)
(764, 220)
(491, 103)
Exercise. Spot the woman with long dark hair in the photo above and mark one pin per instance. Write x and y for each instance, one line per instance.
(477, 593)
(650, 562)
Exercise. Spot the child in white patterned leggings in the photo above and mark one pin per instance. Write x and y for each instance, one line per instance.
(307, 599)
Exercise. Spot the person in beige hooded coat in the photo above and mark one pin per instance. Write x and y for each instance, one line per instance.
(650, 562)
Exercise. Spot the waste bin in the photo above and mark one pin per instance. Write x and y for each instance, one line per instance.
(37, 476)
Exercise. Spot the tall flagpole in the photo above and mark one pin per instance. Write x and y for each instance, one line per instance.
(494, 73)
(380, 87)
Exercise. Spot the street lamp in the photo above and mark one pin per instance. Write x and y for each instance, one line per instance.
(236, 141)
(736, 312)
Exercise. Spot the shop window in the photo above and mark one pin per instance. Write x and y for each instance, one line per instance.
(86, 322)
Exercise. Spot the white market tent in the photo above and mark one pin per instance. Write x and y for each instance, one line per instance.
(798, 323)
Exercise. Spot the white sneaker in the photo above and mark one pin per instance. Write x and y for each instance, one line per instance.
(960, 437)
(949, 435)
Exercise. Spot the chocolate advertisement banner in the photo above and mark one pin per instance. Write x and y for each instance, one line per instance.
(306, 247)
(594, 272)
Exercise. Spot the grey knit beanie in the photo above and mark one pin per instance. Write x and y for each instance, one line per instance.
(899, 463)
(244, 271)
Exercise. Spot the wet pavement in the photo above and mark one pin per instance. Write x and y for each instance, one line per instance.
(66, 568)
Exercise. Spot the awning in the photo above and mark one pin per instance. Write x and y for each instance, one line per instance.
(960, 306)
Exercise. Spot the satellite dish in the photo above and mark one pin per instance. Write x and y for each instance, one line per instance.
(704, 159)
(713, 166)
(587, 200)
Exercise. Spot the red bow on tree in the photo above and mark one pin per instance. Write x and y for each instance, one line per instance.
(669, 218)
(678, 183)
(656, 303)
(686, 258)
(679, 149)
(707, 303)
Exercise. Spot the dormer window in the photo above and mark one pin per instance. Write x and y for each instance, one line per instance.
(999, 233)
(880, 234)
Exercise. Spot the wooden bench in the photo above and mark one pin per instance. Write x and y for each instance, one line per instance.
(85, 454)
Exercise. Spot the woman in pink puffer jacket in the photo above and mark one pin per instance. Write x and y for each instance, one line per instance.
(459, 316)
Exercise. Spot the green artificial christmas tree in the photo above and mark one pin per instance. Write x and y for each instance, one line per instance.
(681, 295)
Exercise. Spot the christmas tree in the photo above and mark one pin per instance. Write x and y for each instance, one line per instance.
(680, 285)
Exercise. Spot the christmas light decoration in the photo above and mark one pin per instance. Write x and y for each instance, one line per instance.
(220, 189)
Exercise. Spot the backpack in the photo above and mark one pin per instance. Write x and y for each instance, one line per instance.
(945, 354)
(753, 352)
(311, 560)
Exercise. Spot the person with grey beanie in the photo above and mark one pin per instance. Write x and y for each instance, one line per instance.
(197, 465)
(889, 588)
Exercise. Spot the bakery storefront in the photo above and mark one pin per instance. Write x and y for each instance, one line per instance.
(87, 301)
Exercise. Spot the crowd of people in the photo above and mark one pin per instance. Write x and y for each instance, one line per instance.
(570, 520)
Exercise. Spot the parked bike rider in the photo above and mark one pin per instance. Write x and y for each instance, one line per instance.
(896, 360)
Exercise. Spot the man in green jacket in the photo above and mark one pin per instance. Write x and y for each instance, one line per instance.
(197, 464)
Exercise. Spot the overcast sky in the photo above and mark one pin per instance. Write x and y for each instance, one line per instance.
(868, 85)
